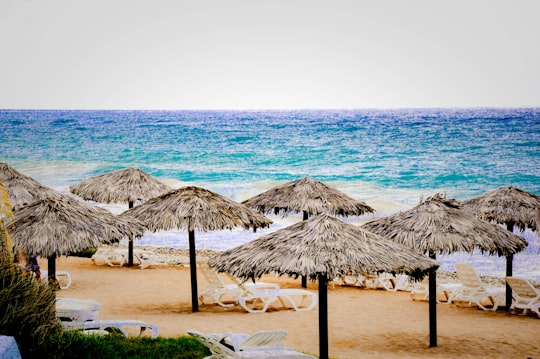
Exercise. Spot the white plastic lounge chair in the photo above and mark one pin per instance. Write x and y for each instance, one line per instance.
(269, 349)
(394, 282)
(420, 290)
(525, 295)
(63, 278)
(110, 256)
(350, 280)
(473, 290)
(68, 309)
(270, 339)
(112, 326)
(253, 297)
(217, 289)
(257, 300)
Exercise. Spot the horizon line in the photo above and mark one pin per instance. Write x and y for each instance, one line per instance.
(275, 109)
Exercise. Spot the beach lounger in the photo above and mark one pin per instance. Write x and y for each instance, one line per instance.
(68, 309)
(420, 290)
(253, 297)
(473, 290)
(63, 278)
(351, 280)
(525, 295)
(110, 256)
(218, 290)
(394, 282)
(263, 344)
(269, 339)
(257, 300)
(111, 326)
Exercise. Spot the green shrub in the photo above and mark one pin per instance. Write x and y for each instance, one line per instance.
(28, 309)
(86, 253)
(29, 315)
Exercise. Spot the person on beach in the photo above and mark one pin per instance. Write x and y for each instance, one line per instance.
(33, 267)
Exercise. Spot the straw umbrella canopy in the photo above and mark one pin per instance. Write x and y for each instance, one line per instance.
(121, 186)
(506, 205)
(193, 208)
(307, 196)
(439, 225)
(322, 248)
(23, 189)
(51, 228)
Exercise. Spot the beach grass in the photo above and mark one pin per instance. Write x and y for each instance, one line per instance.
(28, 308)
(77, 345)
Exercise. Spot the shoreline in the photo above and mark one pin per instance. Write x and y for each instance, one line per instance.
(180, 257)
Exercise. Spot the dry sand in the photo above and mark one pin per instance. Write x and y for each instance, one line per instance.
(365, 323)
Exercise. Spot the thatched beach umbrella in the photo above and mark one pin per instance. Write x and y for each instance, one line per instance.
(510, 206)
(122, 186)
(51, 228)
(309, 197)
(194, 208)
(322, 248)
(438, 225)
(23, 189)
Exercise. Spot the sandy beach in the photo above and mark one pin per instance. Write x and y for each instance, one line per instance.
(368, 323)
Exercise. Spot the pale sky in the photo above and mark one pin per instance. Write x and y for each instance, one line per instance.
(273, 54)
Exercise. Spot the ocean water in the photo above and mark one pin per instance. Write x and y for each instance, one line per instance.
(388, 158)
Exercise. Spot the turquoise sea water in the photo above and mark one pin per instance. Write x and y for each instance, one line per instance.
(391, 156)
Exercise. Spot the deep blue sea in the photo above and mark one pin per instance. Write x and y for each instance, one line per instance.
(389, 158)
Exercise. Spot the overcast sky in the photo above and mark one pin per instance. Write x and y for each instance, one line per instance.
(273, 54)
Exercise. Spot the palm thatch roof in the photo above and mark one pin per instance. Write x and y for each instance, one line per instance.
(439, 225)
(51, 228)
(194, 208)
(23, 189)
(307, 195)
(508, 205)
(123, 186)
(321, 245)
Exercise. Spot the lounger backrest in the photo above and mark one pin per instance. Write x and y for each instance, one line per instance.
(211, 276)
(467, 276)
(264, 339)
(522, 287)
(215, 346)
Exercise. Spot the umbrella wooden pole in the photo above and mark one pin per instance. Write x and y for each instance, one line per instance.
(323, 317)
(304, 278)
(51, 269)
(193, 271)
(509, 260)
(509, 265)
(433, 305)
(130, 242)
